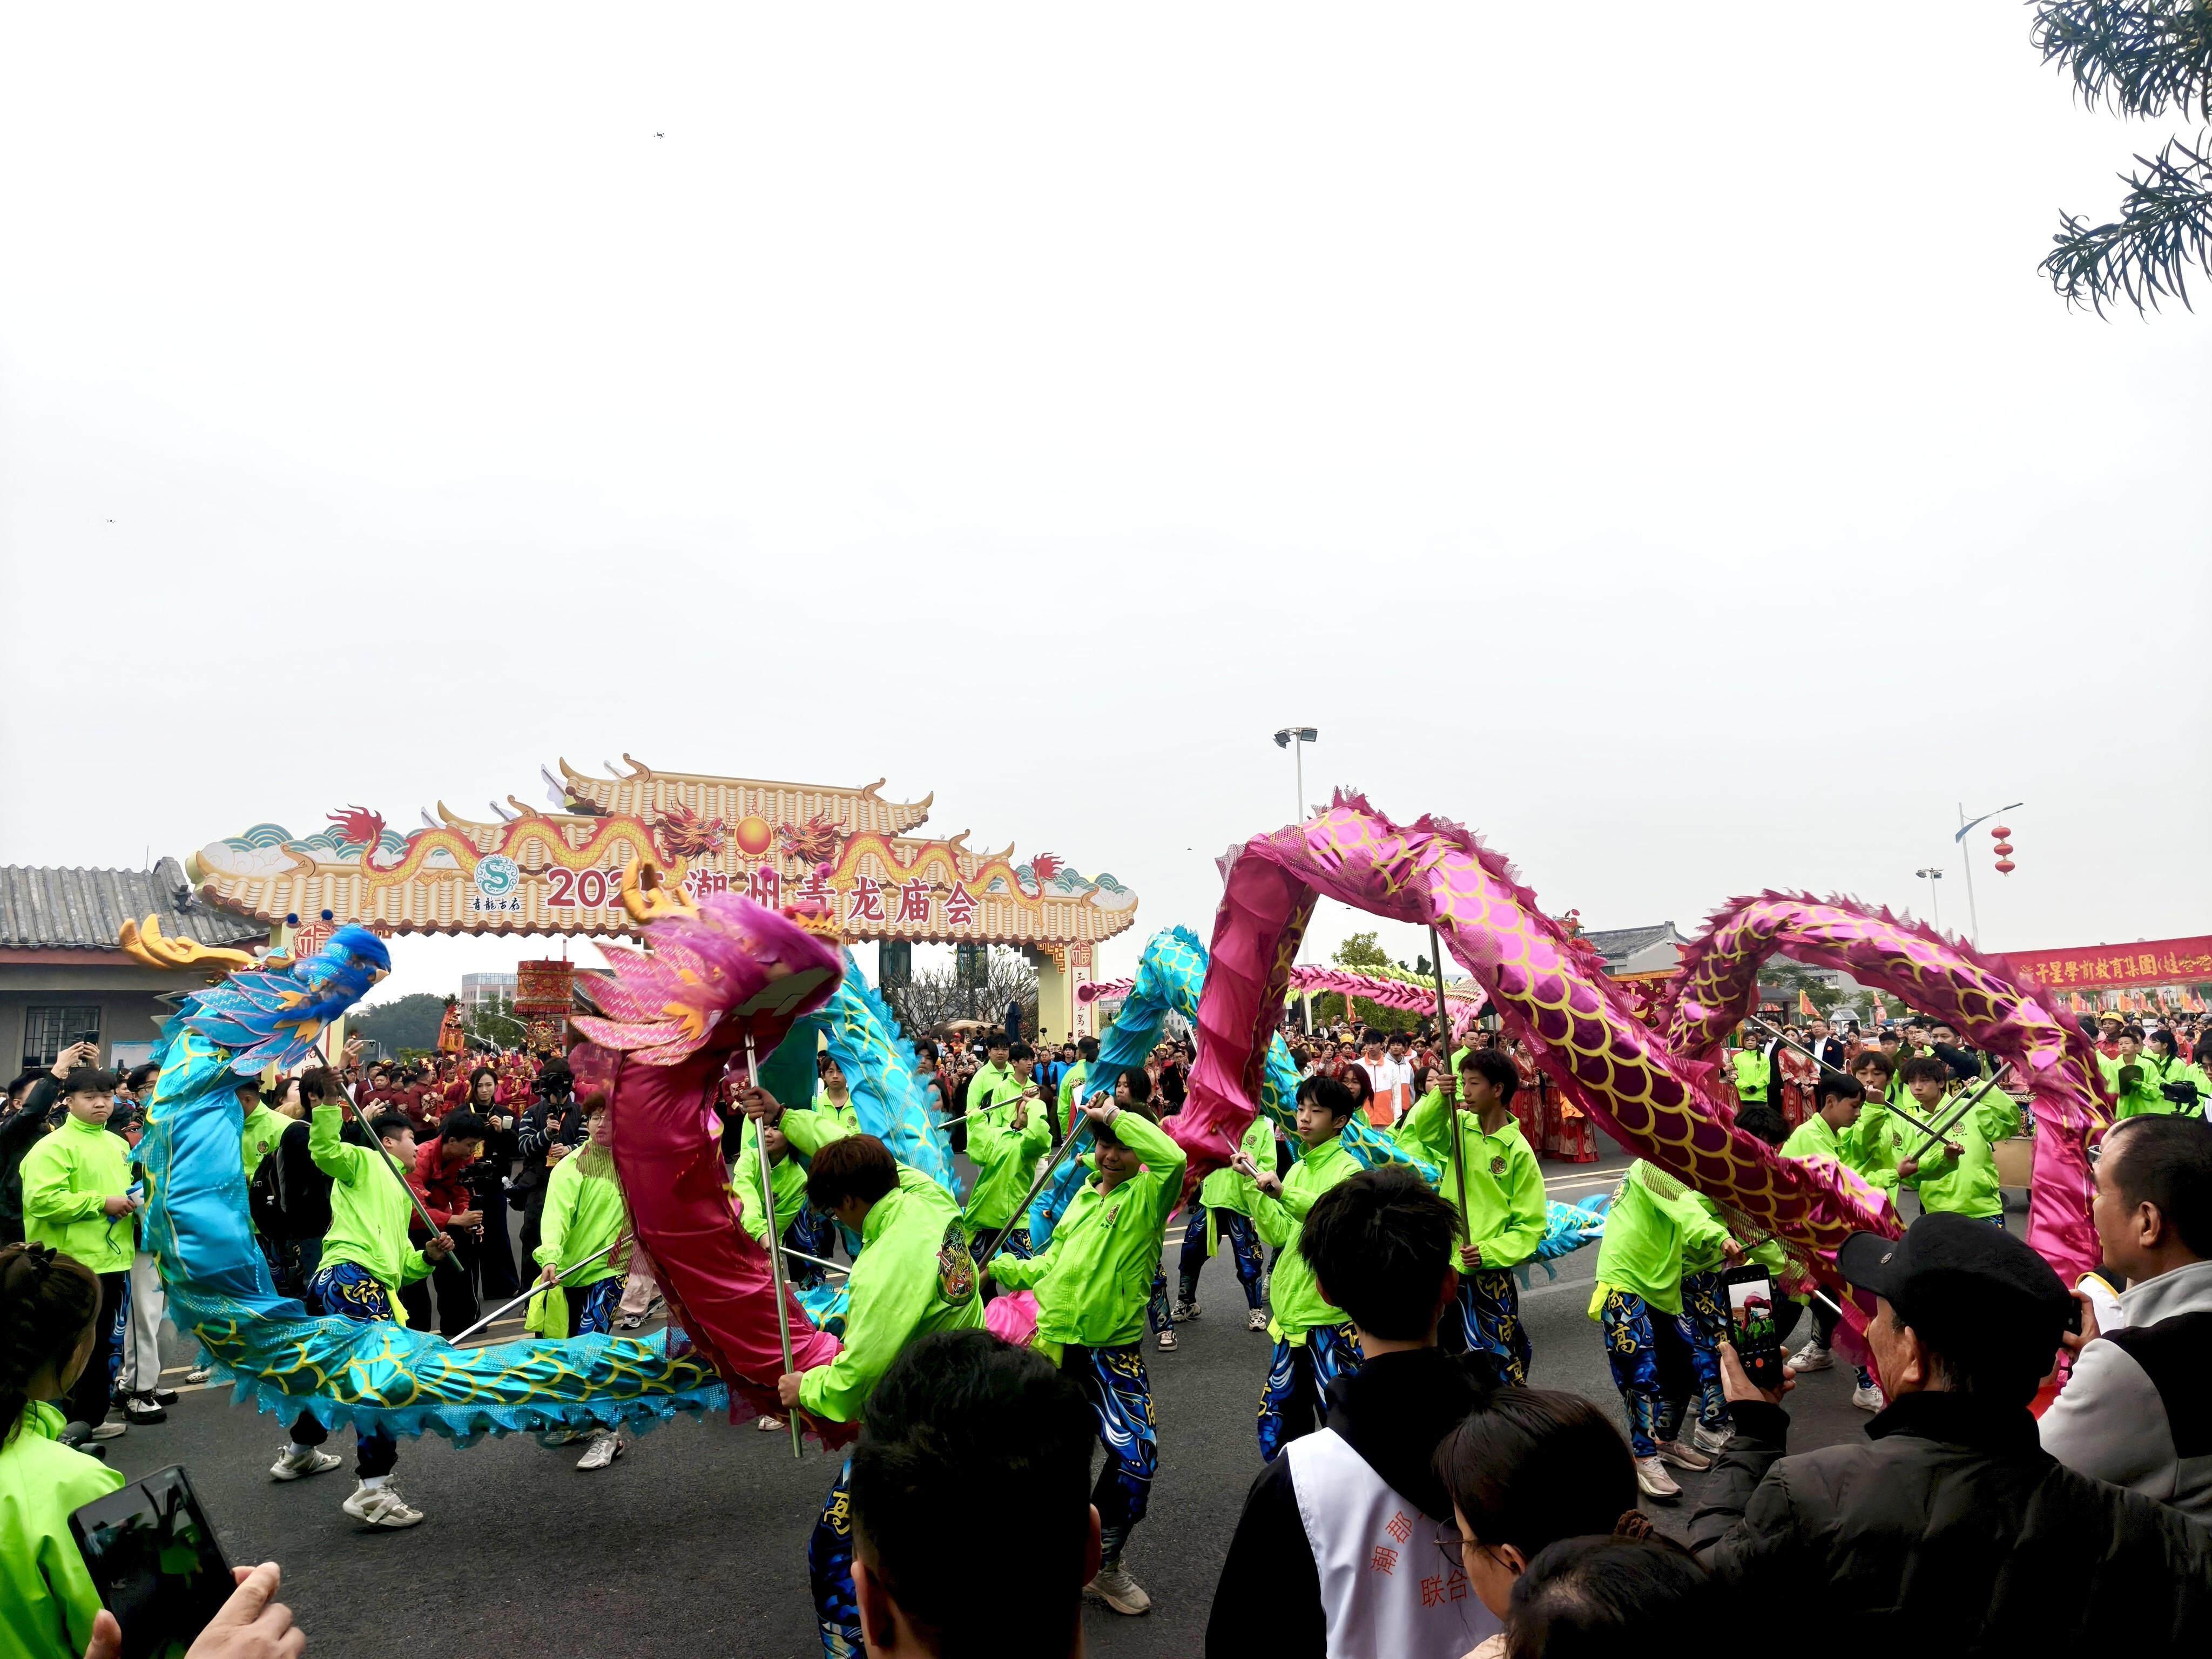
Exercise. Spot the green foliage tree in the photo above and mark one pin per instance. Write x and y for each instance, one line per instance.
(1361, 954)
(2140, 58)
(403, 1023)
(495, 1022)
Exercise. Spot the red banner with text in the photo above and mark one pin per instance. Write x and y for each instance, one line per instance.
(2109, 966)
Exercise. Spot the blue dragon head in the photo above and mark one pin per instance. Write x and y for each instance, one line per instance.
(274, 1016)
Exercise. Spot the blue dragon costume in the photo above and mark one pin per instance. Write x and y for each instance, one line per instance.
(279, 1356)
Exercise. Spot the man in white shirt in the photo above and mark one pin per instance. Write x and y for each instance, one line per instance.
(1392, 1076)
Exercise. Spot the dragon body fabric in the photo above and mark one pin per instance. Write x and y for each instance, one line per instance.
(1171, 975)
(674, 1021)
(1549, 990)
(376, 1376)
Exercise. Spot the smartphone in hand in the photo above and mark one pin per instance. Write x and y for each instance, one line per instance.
(156, 1562)
(1751, 1324)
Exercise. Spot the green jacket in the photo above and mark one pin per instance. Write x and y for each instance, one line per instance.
(1293, 1296)
(1093, 1279)
(1005, 1157)
(1861, 1148)
(849, 1115)
(787, 1175)
(369, 1207)
(583, 1213)
(47, 1601)
(1505, 1212)
(1967, 1184)
(1753, 1074)
(2145, 1098)
(1069, 1085)
(265, 1127)
(1648, 1235)
(915, 1276)
(67, 1175)
(1225, 1190)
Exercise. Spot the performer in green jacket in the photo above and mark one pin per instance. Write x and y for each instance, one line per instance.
(1651, 1341)
(912, 1276)
(1315, 1343)
(1845, 1130)
(1958, 1174)
(1092, 1283)
(585, 1214)
(1505, 1215)
(1223, 1210)
(1009, 1127)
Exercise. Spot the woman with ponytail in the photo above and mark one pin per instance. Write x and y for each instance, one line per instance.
(1525, 1469)
(49, 1310)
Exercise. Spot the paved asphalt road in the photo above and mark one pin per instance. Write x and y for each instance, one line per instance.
(694, 1543)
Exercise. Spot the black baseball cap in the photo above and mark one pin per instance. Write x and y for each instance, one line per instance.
(1952, 1277)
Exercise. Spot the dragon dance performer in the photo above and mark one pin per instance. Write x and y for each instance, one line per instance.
(836, 1097)
(1092, 1284)
(1008, 1132)
(913, 1275)
(1843, 1130)
(584, 1214)
(1315, 1343)
(1223, 1210)
(1652, 1344)
(1505, 1215)
(1960, 1174)
(2177, 1085)
(365, 1258)
(808, 1231)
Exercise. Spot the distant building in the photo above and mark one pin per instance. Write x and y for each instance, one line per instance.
(62, 977)
(476, 989)
(1635, 950)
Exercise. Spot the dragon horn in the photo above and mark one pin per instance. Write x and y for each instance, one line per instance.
(647, 896)
(146, 943)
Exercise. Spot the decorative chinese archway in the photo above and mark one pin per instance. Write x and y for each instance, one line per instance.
(528, 871)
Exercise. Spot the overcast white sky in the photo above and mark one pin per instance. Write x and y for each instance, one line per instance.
(1648, 443)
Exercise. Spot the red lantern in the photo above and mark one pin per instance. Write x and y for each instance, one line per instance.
(2004, 866)
(2000, 833)
(2004, 849)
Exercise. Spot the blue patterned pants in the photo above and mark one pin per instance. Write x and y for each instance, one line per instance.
(1158, 1315)
(346, 1290)
(1703, 1324)
(592, 1307)
(1015, 1244)
(1295, 1401)
(829, 1571)
(1243, 1245)
(1113, 1380)
(1485, 1318)
(815, 1233)
(1654, 1362)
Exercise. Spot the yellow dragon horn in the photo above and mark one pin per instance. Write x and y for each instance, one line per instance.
(648, 896)
(145, 942)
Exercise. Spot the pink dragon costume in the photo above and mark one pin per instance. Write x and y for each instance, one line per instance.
(1651, 1089)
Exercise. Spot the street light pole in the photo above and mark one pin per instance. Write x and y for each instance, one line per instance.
(1931, 875)
(1294, 738)
(1973, 917)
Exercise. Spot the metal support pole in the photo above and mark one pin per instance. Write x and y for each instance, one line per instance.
(1967, 860)
(843, 1273)
(1298, 756)
(1965, 1106)
(497, 1313)
(1444, 1039)
(774, 1240)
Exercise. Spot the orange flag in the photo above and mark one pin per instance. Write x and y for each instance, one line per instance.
(1805, 1004)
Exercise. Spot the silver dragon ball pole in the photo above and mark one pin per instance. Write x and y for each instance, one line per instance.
(497, 1313)
(405, 1185)
(774, 1239)
(1451, 1120)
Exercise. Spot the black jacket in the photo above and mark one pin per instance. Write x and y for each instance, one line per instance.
(17, 1136)
(1949, 1530)
(536, 1130)
(1394, 1411)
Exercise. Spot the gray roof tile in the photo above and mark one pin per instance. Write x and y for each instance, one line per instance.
(68, 908)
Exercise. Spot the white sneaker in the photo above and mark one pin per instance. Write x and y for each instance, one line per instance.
(1811, 1357)
(770, 1425)
(1653, 1480)
(291, 1466)
(1256, 1319)
(1683, 1456)
(381, 1506)
(1185, 1310)
(1167, 1343)
(1118, 1590)
(1869, 1400)
(1714, 1441)
(111, 1426)
(605, 1446)
(199, 1374)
